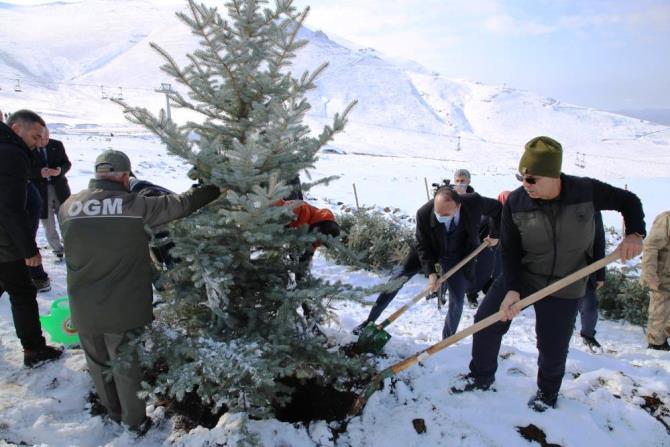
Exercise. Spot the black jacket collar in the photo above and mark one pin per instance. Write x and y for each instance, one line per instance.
(8, 136)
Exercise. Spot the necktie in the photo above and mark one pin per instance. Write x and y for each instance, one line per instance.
(452, 225)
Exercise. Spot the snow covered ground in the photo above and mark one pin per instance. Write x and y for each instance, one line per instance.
(601, 399)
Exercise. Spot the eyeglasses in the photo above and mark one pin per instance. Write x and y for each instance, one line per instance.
(529, 180)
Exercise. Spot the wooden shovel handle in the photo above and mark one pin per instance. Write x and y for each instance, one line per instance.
(491, 319)
(533, 298)
(394, 316)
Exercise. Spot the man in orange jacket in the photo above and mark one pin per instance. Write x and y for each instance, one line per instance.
(321, 220)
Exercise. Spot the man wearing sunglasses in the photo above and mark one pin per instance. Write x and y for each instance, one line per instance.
(547, 233)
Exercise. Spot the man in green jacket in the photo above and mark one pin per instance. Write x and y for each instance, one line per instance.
(109, 273)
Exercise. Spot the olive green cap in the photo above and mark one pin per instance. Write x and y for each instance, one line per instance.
(542, 157)
(112, 161)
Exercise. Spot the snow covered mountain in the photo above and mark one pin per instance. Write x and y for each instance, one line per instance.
(66, 57)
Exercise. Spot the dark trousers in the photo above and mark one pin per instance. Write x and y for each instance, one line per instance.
(409, 267)
(484, 267)
(34, 208)
(588, 310)
(456, 285)
(15, 279)
(554, 323)
(497, 262)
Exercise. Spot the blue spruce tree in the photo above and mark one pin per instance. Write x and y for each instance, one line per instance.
(231, 330)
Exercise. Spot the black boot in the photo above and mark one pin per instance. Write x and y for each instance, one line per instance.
(142, 429)
(661, 347)
(472, 300)
(42, 284)
(468, 383)
(542, 401)
(591, 342)
(36, 357)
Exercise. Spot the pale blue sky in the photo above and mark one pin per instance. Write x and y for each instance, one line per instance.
(608, 54)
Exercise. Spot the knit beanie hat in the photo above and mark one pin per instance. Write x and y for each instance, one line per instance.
(542, 157)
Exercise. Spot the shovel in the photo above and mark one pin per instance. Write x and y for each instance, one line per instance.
(373, 337)
(486, 322)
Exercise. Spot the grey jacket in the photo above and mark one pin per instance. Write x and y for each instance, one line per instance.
(107, 252)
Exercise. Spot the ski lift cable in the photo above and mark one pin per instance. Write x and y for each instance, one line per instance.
(76, 84)
(457, 138)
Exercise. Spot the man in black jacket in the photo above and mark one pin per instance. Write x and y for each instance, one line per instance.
(50, 164)
(39, 277)
(447, 230)
(547, 233)
(17, 244)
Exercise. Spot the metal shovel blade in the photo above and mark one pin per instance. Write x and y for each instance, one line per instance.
(373, 336)
(372, 339)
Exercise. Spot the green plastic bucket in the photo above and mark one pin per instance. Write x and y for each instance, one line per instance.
(58, 323)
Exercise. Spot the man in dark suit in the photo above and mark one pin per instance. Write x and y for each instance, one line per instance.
(50, 164)
(412, 264)
(447, 230)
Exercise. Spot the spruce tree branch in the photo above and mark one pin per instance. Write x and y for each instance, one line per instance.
(197, 16)
(173, 69)
(339, 122)
(238, 11)
(236, 5)
(180, 101)
(274, 15)
(164, 129)
(180, 75)
(308, 83)
(288, 48)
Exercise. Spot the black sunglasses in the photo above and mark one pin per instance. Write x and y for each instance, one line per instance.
(529, 180)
